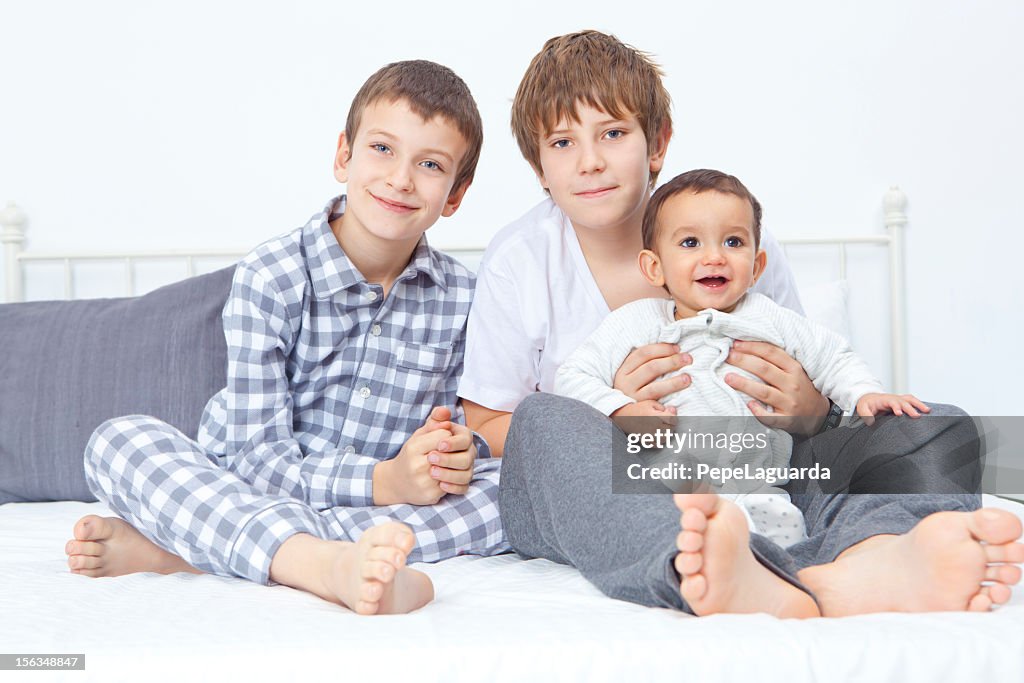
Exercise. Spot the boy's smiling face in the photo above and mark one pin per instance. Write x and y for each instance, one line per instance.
(598, 170)
(400, 171)
(704, 251)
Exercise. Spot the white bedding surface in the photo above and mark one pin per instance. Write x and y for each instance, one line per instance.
(499, 618)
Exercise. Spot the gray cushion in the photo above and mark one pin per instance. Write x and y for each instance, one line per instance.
(66, 366)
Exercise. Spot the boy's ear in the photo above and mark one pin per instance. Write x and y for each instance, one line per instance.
(657, 160)
(341, 159)
(760, 261)
(539, 172)
(650, 266)
(451, 205)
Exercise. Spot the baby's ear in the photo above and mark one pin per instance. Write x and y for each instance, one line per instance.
(760, 262)
(650, 266)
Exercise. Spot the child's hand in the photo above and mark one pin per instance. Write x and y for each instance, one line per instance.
(646, 409)
(870, 405)
(436, 460)
(638, 376)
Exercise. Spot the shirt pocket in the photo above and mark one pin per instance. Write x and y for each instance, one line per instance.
(424, 358)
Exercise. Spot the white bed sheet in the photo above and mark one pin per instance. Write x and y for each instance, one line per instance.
(499, 618)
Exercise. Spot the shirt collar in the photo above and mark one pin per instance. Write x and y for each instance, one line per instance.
(330, 269)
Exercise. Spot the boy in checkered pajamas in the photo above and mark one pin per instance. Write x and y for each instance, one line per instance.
(332, 458)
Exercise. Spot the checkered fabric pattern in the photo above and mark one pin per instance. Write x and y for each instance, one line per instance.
(326, 378)
(182, 498)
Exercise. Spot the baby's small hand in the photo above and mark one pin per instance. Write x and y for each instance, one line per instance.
(870, 405)
(646, 409)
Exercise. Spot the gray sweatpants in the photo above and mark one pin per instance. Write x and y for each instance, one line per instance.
(557, 503)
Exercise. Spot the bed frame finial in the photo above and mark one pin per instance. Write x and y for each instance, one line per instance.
(895, 203)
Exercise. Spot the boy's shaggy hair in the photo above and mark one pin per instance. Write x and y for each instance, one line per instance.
(594, 68)
(698, 181)
(430, 90)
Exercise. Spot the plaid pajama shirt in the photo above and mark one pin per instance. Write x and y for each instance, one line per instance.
(326, 378)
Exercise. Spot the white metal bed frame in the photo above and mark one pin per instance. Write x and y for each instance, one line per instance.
(12, 235)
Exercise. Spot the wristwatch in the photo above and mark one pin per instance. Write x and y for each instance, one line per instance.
(832, 419)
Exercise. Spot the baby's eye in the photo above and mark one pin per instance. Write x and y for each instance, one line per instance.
(733, 242)
(432, 165)
(380, 147)
(689, 242)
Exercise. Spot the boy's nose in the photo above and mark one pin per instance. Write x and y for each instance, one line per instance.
(400, 178)
(591, 160)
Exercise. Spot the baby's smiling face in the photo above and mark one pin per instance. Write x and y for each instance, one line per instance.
(704, 252)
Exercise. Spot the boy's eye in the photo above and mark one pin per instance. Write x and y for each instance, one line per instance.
(689, 242)
(560, 144)
(733, 242)
(615, 134)
(380, 147)
(432, 165)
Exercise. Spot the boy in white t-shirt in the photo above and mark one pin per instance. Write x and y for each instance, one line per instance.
(592, 118)
(701, 236)
(548, 279)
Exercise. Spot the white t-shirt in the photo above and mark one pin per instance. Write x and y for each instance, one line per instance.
(536, 301)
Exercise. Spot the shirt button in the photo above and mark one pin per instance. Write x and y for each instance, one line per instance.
(375, 330)
(350, 449)
(371, 295)
(365, 392)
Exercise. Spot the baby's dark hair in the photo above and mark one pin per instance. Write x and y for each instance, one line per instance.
(697, 181)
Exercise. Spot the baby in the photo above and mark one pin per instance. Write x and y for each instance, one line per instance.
(701, 237)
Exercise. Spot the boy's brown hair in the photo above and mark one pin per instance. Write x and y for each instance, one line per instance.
(597, 69)
(430, 90)
(697, 181)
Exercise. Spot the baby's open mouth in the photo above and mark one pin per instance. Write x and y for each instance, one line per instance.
(713, 282)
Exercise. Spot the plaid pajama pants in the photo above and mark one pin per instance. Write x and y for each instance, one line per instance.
(185, 500)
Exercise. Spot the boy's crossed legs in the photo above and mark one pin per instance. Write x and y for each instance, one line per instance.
(203, 518)
(866, 553)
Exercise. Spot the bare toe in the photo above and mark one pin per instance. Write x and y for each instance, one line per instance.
(994, 526)
(689, 541)
(93, 528)
(1006, 552)
(84, 562)
(90, 548)
(378, 570)
(980, 602)
(705, 502)
(392, 534)
(1007, 574)
(694, 587)
(688, 563)
(999, 593)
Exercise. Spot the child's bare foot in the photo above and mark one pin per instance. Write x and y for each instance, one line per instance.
(110, 546)
(719, 572)
(939, 565)
(368, 577)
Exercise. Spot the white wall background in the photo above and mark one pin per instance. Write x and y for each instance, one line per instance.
(145, 125)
